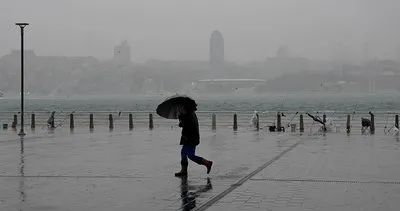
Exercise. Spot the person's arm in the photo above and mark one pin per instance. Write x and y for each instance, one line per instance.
(193, 124)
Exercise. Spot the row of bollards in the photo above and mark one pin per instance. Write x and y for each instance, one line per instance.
(72, 122)
(279, 127)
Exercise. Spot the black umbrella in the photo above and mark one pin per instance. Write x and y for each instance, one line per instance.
(170, 107)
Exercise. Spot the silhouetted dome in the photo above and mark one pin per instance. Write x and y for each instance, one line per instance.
(282, 52)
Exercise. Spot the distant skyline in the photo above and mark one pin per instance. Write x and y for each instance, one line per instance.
(180, 29)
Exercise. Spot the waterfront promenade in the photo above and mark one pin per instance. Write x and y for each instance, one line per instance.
(254, 170)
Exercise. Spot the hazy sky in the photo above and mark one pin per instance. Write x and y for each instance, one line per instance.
(180, 29)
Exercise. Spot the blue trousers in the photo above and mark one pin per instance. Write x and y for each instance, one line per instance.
(189, 152)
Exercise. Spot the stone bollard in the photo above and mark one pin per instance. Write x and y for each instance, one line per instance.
(151, 124)
(324, 121)
(91, 125)
(214, 122)
(130, 121)
(52, 124)
(279, 123)
(235, 127)
(301, 123)
(71, 121)
(111, 122)
(372, 127)
(293, 128)
(258, 122)
(396, 121)
(33, 123)
(348, 126)
(15, 122)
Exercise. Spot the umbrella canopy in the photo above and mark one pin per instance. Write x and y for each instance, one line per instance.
(173, 105)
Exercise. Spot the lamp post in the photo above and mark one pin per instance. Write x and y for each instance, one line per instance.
(22, 26)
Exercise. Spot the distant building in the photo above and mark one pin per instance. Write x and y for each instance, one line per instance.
(216, 50)
(122, 54)
(282, 52)
(15, 56)
(46, 75)
(284, 63)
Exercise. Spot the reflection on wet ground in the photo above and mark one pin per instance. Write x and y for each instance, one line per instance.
(190, 192)
(22, 195)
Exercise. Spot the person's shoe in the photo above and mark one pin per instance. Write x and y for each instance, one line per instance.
(183, 172)
(208, 164)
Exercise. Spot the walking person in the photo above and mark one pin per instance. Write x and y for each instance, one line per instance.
(190, 138)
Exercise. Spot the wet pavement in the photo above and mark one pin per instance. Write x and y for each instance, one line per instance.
(125, 170)
(252, 170)
(332, 172)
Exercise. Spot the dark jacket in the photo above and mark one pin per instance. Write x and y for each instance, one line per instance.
(190, 129)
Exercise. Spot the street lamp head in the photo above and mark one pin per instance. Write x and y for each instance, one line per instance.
(21, 24)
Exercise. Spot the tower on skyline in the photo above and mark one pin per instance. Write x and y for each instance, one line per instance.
(122, 54)
(216, 50)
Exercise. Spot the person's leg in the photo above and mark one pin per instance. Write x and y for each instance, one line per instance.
(184, 163)
(191, 154)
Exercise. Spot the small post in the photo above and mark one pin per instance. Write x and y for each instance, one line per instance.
(279, 123)
(258, 122)
(293, 128)
(324, 121)
(130, 121)
(110, 119)
(71, 121)
(372, 127)
(151, 124)
(301, 123)
(235, 122)
(15, 122)
(91, 125)
(52, 122)
(33, 123)
(214, 122)
(348, 126)
(396, 121)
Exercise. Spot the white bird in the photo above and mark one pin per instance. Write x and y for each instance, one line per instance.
(254, 119)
